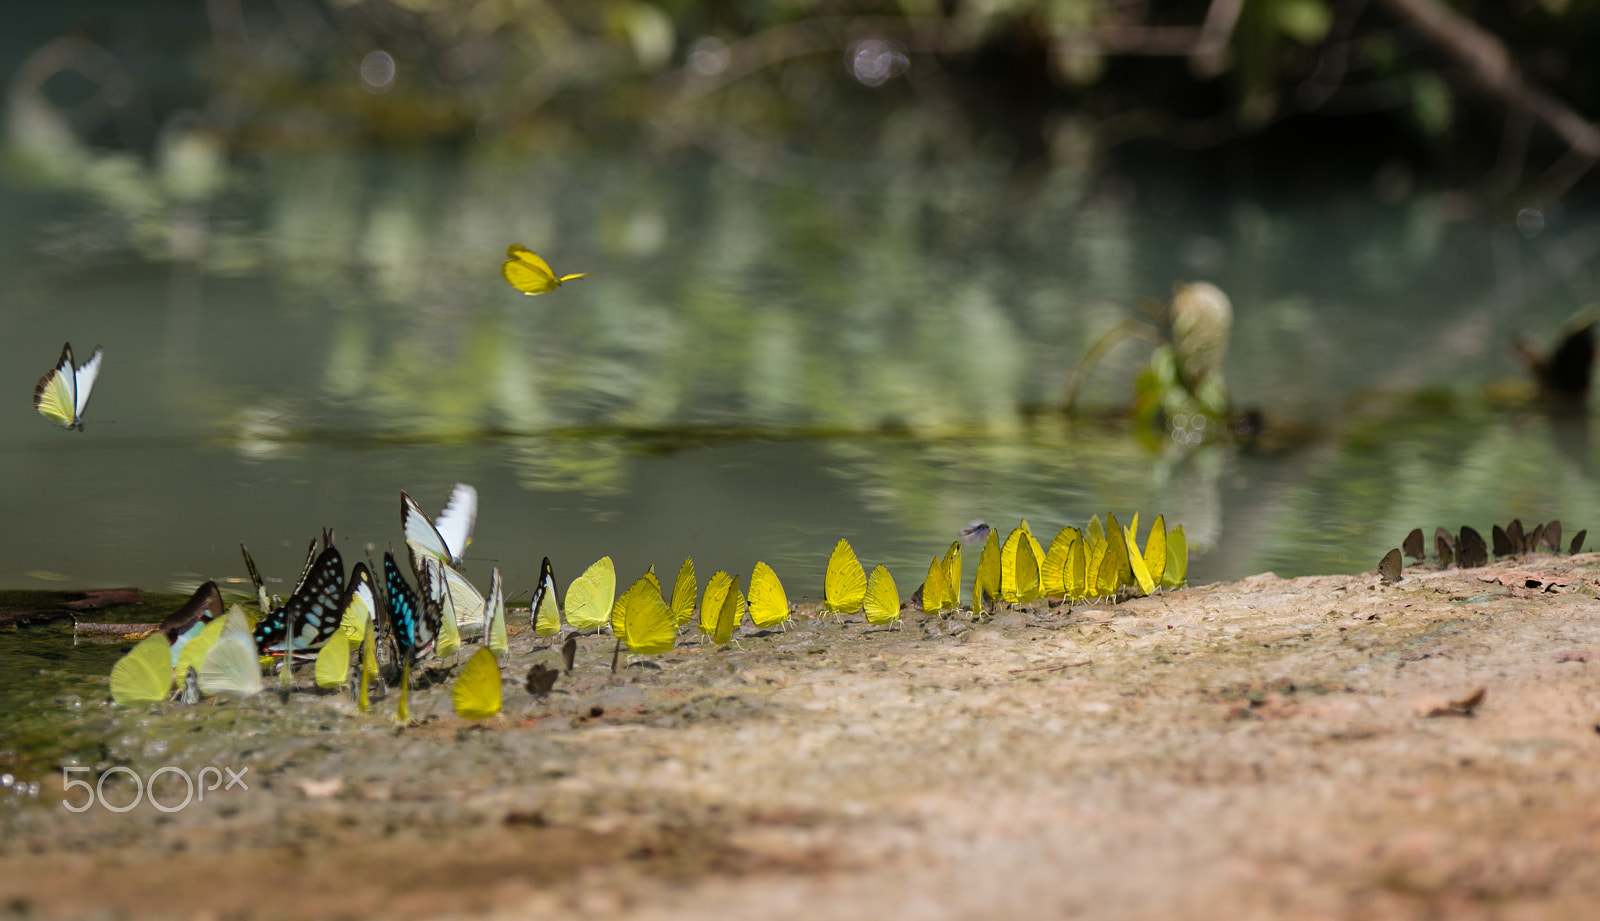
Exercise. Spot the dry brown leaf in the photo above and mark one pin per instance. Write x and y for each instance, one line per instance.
(1430, 705)
(1522, 578)
(320, 789)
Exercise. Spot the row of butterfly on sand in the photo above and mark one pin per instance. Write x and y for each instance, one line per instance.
(361, 633)
(1468, 550)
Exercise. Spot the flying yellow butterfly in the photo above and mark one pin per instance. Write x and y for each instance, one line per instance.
(525, 271)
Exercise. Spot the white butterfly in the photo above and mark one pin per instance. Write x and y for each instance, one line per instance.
(232, 666)
(63, 392)
(445, 539)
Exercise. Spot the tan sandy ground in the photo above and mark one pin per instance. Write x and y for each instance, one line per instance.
(1243, 750)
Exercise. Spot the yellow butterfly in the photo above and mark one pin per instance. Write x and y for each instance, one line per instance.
(1155, 549)
(1053, 571)
(711, 604)
(845, 584)
(937, 595)
(1027, 572)
(732, 613)
(642, 620)
(144, 675)
(589, 596)
(683, 592)
(987, 580)
(333, 662)
(544, 611)
(952, 572)
(525, 271)
(1076, 573)
(1177, 570)
(477, 693)
(769, 605)
(882, 600)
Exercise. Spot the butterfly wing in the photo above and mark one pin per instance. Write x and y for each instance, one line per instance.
(477, 693)
(314, 610)
(54, 396)
(1177, 558)
(333, 662)
(711, 603)
(203, 607)
(262, 601)
(987, 580)
(464, 601)
(643, 621)
(144, 675)
(495, 616)
(730, 612)
(454, 524)
(193, 653)
(590, 595)
(1052, 572)
(769, 604)
(882, 600)
(845, 583)
(83, 384)
(1076, 572)
(952, 572)
(438, 608)
(935, 589)
(683, 592)
(527, 272)
(546, 608)
(412, 636)
(1008, 566)
(360, 606)
(1155, 550)
(1027, 571)
(422, 538)
(1141, 573)
(233, 665)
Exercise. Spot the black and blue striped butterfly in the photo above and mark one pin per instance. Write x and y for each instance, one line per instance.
(313, 610)
(414, 627)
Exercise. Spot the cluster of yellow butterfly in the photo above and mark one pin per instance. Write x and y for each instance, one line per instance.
(1101, 561)
(1098, 561)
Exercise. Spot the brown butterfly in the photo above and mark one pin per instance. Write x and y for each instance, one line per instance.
(1413, 545)
(1444, 545)
(1535, 538)
(569, 652)
(1471, 551)
(1517, 536)
(1577, 543)
(1552, 535)
(1502, 542)
(541, 679)
(1389, 567)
